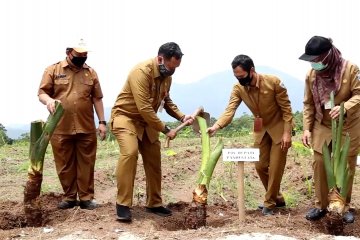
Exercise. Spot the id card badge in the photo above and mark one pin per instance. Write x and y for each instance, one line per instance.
(161, 107)
(258, 124)
(327, 105)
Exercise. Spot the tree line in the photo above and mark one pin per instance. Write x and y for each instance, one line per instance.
(4, 139)
(240, 126)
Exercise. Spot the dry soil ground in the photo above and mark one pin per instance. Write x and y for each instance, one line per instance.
(180, 165)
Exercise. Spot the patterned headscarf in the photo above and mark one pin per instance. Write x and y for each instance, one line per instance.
(328, 80)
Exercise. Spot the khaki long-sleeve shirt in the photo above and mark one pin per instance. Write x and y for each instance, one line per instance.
(138, 102)
(269, 100)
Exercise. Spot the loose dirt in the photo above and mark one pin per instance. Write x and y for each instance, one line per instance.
(179, 177)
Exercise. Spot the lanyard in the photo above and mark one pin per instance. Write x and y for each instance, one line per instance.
(256, 103)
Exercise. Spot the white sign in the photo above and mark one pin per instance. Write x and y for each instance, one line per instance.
(241, 155)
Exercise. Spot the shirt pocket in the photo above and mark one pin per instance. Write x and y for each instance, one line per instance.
(268, 95)
(61, 85)
(86, 86)
(153, 93)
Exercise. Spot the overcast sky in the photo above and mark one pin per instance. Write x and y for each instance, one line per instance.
(122, 33)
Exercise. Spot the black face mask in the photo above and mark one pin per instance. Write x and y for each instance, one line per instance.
(164, 71)
(78, 61)
(245, 81)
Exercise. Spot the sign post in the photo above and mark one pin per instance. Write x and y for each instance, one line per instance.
(241, 155)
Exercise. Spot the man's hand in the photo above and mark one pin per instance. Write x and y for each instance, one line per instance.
(286, 141)
(212, 130)
(335, 112)
(102, 131)
(306, 139)
(50, 105)
(171, 134)
(189, 119)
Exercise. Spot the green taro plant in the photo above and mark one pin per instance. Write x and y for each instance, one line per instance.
(197, 213)
(40, 135)
(337, 169)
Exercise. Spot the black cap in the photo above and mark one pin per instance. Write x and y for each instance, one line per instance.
(315, 47)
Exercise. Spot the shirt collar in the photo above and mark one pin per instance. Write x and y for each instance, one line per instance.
(257, 83)
(156, 69)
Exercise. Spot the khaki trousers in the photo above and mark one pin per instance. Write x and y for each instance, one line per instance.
(75, 157)
(270, 169)
(130, 146)
(320, 180)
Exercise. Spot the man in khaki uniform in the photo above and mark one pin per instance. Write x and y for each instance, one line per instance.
(136, 126)
(267, 98)
(76, 86)
(330, 72)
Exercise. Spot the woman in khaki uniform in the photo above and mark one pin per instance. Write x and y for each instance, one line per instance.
(136, 126)
(330, 72)
(268, 100)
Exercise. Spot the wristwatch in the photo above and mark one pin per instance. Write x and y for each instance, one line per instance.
(166, 129)
(102, 122)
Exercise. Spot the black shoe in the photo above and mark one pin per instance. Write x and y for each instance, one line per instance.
(88, 204)
(348, 217)
(315, 214)
(267, 211)
(278, 205)
(66, 204)
(123, 213)
(161, 211)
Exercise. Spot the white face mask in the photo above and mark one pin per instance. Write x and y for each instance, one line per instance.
(318, 66)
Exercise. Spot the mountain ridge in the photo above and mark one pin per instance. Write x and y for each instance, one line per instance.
(215, 101)
(212, 92)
